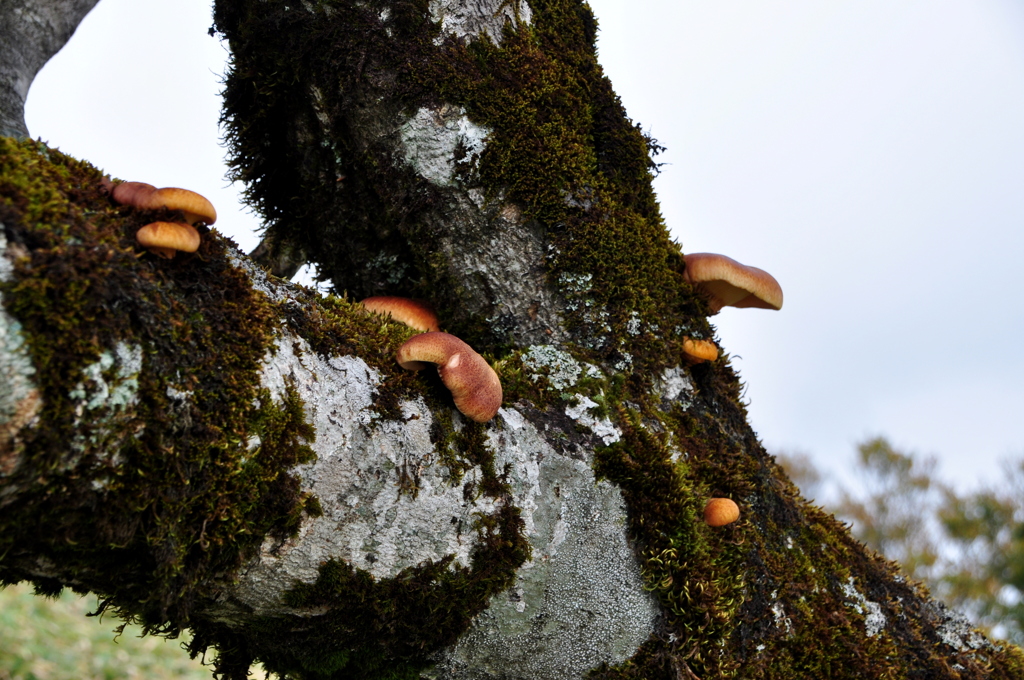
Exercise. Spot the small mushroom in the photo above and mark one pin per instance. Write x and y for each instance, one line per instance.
(166, 238)
(697, 351)
(727, 283)
(414, 313)
(721, 511)
(147, 197)
(474, 385)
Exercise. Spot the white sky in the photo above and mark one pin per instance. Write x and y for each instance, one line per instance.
(868, 153)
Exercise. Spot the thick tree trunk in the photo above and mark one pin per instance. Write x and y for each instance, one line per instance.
(31, 31)
(212, 448)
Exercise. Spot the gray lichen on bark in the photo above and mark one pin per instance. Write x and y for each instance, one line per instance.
(19, 398)
(583, 582)
(470, 19)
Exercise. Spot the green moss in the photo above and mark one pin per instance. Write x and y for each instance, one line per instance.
(202, 450)
(129, 482)
(560, 147)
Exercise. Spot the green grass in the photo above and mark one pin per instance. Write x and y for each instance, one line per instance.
(44, 639)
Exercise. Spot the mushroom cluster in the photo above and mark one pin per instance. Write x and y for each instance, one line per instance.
(166, 238)
(724, 282)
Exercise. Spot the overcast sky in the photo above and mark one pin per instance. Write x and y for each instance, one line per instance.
(868, 153)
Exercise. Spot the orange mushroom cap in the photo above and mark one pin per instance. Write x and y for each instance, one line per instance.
(727, 283)
(166, 238)
(147, 197)
(414, 313)
(698, 351)
(721, 511)
(474, 385)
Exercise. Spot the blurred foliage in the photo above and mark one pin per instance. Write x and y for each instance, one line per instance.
(53, 639)
(967, 547)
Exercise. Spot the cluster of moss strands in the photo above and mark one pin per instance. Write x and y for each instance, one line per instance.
(154, 503)
(297, 173)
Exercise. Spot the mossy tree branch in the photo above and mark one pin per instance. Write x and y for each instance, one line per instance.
(157, 445)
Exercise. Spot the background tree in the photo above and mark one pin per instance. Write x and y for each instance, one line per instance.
(894, 514)
(966, 546)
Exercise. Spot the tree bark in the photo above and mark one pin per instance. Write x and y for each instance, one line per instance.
(211, 448)
(31, 31)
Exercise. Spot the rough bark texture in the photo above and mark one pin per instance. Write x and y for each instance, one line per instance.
(31, 31)
(212, 448)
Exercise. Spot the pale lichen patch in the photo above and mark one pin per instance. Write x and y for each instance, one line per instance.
(957, 632)
(112, 381)
(675, 386)
(558, 366)
(874, 619)
(579, 601)
(387, 503)
(469, 20)
(20, 401)
(602, 427)
(431, 137)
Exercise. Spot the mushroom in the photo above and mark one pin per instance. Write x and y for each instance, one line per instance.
(720, 511)
(414, 313)
(473, 383)
(697, 351)
(166, 238)
(727, 283)
(147, 197)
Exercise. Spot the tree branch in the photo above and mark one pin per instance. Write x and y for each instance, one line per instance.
(160, 447)
(31, 31)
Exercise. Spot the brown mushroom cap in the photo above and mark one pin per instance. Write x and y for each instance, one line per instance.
(414, 313)
(474, 385)
(727, 283)
(147, 197)
(166, 238)
(697, 351)
(721, 511)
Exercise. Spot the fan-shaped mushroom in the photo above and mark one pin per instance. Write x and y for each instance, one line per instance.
(474, 385)
(727, 283)
(147, 197)
(166, 238)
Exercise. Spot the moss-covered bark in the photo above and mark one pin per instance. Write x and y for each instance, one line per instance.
(318, 106)
(405, 157)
